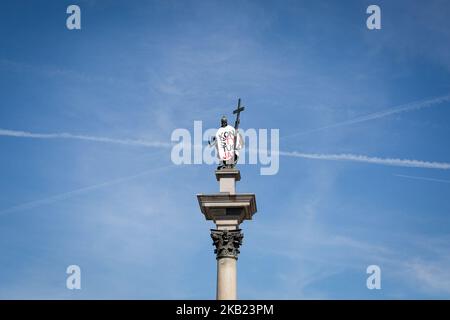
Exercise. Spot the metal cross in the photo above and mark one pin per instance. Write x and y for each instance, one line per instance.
(236, 124)
(238, 112)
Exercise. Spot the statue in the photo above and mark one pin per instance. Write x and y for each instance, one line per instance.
(228, 141)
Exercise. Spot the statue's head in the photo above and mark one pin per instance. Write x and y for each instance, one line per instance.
(223, 122)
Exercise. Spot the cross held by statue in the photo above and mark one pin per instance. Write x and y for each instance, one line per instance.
(238, 113)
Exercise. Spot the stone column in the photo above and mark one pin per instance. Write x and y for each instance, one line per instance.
(228, 209)
(227, 243)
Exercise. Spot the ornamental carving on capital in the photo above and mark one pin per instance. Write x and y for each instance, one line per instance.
(227, 243)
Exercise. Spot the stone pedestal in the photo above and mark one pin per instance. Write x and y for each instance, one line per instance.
(227, 180)
(228, 210)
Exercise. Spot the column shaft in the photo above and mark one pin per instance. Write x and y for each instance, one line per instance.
(226, 279)
(227, 243)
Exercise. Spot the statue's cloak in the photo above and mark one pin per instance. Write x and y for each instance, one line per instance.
(225, 143)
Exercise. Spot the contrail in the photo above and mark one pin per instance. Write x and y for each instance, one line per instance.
(380, 114)
(64, 135)
(158, 144)
(367, 159)
(422, 178)
(65, 195)
(333, 157)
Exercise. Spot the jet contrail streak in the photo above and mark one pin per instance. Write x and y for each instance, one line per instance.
(422, 178)
(367, 159)
(380, 114)
(158, 144)
(64, 135)
(65, 195)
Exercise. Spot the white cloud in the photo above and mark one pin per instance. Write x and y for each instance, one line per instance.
(432, 276)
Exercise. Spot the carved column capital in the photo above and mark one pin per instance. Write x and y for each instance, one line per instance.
(227, 243)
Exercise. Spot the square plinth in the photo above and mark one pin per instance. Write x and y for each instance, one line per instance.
(224, 206)
(228, 173)
(227, 179)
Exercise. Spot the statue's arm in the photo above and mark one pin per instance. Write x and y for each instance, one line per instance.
(239, 141)
(212, 142)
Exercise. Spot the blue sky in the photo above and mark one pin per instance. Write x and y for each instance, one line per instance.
(136, 71)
